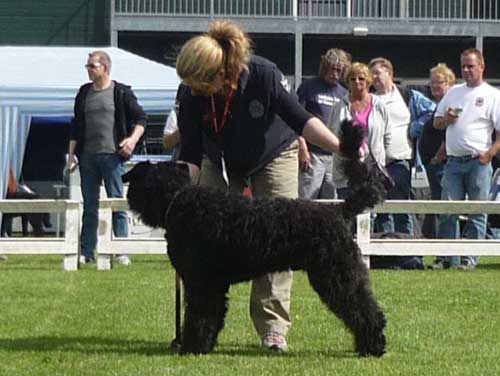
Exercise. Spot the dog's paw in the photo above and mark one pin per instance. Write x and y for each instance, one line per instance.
(374, 346)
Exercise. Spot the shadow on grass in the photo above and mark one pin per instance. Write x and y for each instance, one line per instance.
(97, 345)
(488, 266)
(86, 345)
(257, 351)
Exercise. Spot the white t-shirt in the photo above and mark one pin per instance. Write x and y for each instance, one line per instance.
(171, 123)
(400, 146)
(471, 133)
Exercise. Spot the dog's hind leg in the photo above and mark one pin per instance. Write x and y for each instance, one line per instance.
(345, 289)
(206, 307)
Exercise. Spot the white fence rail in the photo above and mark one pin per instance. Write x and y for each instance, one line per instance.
(374, 9)
(109, 245)
(427, 247)
(369, 247)
(67, 246)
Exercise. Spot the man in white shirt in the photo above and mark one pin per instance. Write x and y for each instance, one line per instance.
(470, 113)
(399, 152)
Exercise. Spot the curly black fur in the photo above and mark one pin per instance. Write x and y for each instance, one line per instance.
(216, 239)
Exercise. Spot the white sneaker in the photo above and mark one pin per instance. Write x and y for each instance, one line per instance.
(274, 341)
(123, 260)
(86, 260)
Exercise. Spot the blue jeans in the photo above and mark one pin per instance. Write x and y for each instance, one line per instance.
(464, 177)
(94, 168)
(400, 172)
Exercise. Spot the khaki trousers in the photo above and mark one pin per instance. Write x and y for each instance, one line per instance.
(270, 294)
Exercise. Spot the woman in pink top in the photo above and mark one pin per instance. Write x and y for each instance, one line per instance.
(365, 110)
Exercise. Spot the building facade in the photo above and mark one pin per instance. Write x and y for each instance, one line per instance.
(414, 34)
(55, 22)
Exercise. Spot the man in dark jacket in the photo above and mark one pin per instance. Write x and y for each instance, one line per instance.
(108, 122)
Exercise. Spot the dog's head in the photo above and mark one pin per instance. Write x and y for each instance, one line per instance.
(352, 137)
(152, 186)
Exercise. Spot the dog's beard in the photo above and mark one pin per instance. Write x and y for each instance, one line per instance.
(148, 209)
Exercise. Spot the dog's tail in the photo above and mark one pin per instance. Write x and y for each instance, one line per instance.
(368, 180)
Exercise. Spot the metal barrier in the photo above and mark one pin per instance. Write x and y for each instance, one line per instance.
(372, 9)
(67, 246)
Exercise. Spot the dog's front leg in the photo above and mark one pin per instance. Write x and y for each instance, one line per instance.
(206, 307)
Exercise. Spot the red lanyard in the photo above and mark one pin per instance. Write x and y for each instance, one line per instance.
(215, 123)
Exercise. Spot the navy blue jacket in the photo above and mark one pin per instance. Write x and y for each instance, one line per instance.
(264, 119)
(128, 113)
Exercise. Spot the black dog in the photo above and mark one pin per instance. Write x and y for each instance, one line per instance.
(216, 239)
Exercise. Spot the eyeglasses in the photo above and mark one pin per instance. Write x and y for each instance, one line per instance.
(360, 79)
(93, 65)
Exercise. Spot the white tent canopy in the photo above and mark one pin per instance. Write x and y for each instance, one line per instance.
(43, 81)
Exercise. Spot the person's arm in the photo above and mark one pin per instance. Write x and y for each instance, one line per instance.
(71, 162)
(440, 155)
(449, 118)
(127, 145)
(304, 156)
(318, 134)
(171, 140)
(138, 117)
(171, 135)
(487, 156)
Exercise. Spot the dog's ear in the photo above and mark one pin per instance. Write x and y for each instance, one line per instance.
(138, 172)
(381, 173)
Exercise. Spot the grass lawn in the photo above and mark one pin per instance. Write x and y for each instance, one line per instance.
(121, 322)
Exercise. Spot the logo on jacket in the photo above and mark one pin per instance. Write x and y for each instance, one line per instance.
(256, 109)
(479, 102)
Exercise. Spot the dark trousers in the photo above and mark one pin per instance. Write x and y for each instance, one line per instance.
(434, 175)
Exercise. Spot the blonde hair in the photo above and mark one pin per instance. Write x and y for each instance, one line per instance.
(104, 58)
(225, 47)
(333, 57)
(382, 61)
(359, 70)
(443, 71)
